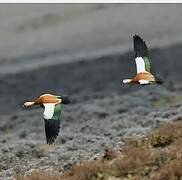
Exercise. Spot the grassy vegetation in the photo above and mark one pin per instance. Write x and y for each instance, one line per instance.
(157, 156)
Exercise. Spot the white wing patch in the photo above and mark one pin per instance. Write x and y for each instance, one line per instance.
(140, 64)
(142, 81)
(49, 110)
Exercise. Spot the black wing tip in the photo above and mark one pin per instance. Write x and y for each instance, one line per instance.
(136, 37)
(50, 141)
(51, 130)
(140, 46)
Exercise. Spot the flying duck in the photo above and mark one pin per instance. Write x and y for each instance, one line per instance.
(143, 64)
(52, 110)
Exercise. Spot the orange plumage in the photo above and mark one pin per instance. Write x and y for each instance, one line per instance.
(47, 98)
(143, 75)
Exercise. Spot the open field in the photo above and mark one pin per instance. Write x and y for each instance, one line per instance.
(84, 51)
(156, 156)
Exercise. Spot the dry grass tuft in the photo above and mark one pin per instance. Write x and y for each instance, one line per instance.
(109, 154)
(93, 170)
(38, 176)
(157, 156)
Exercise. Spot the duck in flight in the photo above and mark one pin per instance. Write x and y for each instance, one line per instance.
(52, 109)
(143, 65)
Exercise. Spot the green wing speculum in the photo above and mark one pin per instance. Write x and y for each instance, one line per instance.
(147, 64)
(57, 112)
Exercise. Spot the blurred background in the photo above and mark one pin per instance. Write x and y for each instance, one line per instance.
(35, 35)
(83, 50)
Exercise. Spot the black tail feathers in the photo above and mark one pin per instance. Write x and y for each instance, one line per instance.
(159, 79)
(65, 99)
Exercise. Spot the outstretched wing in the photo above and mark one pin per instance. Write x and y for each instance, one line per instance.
(142, 58)
(52, 121)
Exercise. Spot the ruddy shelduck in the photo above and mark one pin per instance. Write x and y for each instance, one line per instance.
(143, 65)
(52, 110)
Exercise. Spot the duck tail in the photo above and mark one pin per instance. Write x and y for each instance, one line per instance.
(159, 79)
(65, 99)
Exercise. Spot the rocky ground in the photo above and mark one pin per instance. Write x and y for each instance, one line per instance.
(103, 111)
